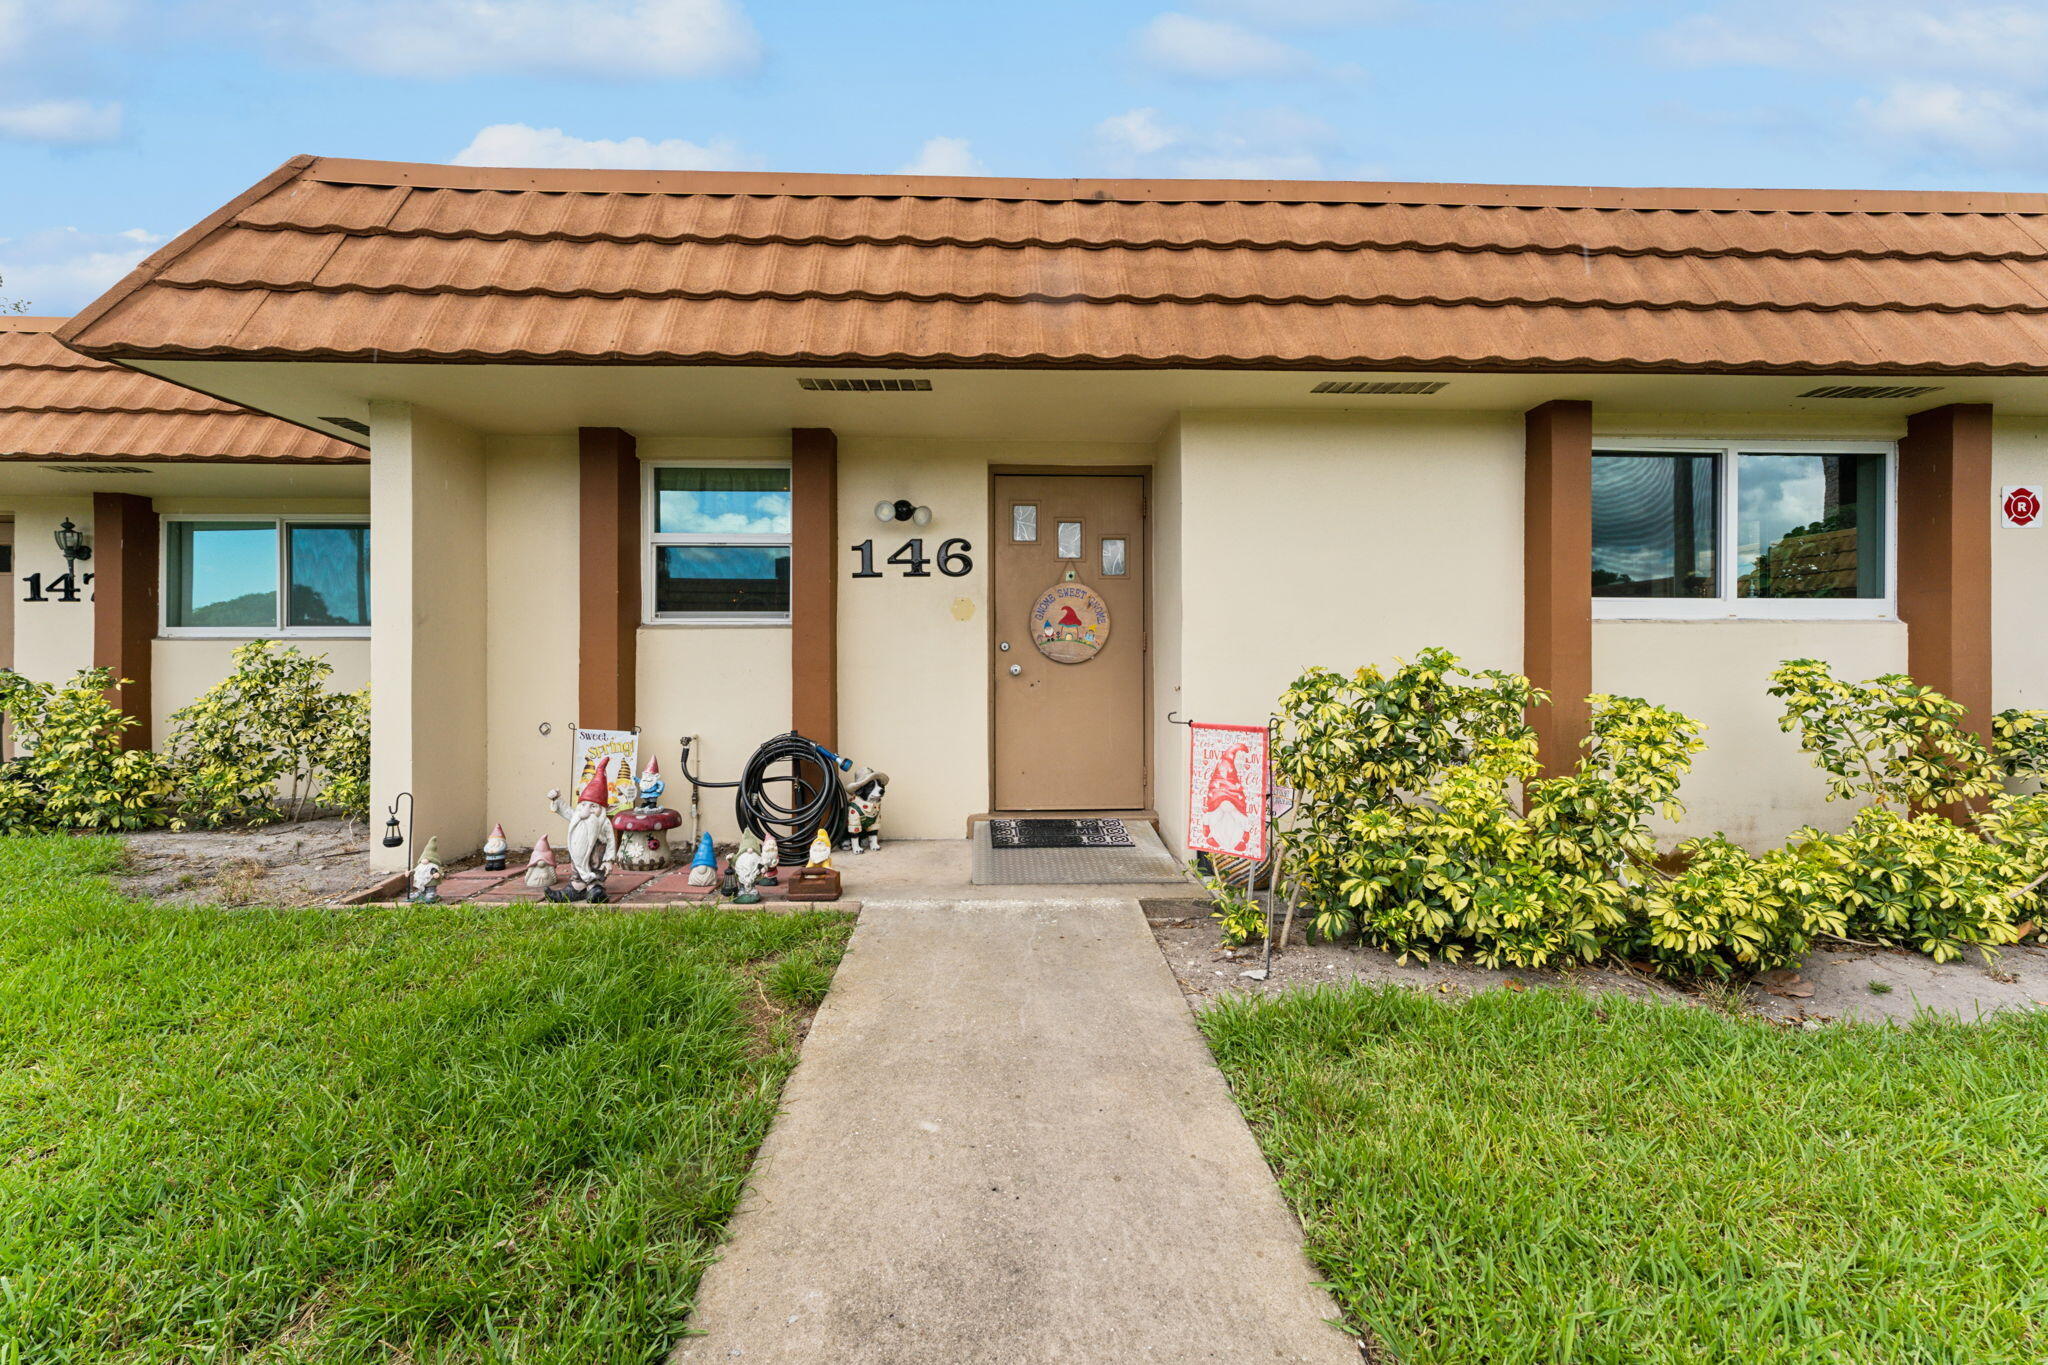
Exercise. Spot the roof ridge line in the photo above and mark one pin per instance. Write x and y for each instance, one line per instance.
(1137, 244)
(772, 184)
(1069, 300)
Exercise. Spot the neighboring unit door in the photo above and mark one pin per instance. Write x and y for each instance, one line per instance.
(1069, 696)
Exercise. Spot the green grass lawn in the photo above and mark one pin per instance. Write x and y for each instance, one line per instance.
(507, 1133)
(1543, 1177)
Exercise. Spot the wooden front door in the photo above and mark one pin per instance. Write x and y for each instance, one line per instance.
(1069, 654)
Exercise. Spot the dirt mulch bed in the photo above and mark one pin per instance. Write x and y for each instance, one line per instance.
(1836, 983)
(314, 862)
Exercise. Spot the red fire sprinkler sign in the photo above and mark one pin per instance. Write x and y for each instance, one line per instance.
(2022, 505)
(1229, 779)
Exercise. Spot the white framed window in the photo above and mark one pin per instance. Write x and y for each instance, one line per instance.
(246, 576)
(1744, 530)
(717, 543)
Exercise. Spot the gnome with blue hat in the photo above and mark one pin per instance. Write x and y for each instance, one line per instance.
(704, 867)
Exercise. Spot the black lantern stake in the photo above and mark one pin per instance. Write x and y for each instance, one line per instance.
(71, 544)
(391, 836)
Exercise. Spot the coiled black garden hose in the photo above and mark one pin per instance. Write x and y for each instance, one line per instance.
(816, 798)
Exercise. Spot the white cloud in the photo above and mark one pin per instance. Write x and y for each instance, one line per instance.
(1895, 37)
(520, 144)
(945, 156)
(60, 270)
(1266, 144)
(26, 23)
(1216, 49)
(611, 39)
(61, 122)
(1950, 122)
(1309, 13)
(1136, 132)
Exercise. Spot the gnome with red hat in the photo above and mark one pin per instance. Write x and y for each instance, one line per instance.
(591, 839)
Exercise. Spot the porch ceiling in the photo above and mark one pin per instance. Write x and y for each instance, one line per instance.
(984, 403)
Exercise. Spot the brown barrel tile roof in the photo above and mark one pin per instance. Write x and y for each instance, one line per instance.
(371, 260)
(57, 405)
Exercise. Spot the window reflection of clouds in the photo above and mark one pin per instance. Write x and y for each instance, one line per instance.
(745, 513)
(1775, 494)
(1640, 503)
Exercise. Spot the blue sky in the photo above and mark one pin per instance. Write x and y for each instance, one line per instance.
(124, 121)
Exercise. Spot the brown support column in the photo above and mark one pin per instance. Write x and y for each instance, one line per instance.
(1945, 554)
(814, 584)
(1557, 574)
(608, 556)
(124, 606)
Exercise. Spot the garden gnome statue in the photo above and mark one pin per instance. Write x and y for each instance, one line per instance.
(821, 849)
(426, 873)
(704, 867)
(651, 783)
(864, 811)
(541, 873)
(592, 842)
(746, 869)
(771, 860)
(494, 850)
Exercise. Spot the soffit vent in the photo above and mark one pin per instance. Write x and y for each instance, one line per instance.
(1871, 390)
(1382, 386)
(94, 469)
(866, 385)
(348, 424)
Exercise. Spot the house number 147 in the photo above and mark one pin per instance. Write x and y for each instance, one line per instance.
(954, 559)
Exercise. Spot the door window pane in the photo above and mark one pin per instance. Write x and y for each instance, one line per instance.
(1069, 546)
(1654, 526)
(1024, 522)
(721, 579)
(1113, 557)
(1809, 526)
(725, 502)
(221, 574)
(329, 571)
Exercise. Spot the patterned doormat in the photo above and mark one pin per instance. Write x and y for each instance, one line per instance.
(1058, 834)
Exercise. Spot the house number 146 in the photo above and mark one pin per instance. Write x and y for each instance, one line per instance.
(954, 559)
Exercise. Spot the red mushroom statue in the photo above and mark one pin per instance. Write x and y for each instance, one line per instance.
(643, 837)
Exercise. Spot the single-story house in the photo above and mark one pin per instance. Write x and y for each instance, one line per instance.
(720, 454)
(192, 512)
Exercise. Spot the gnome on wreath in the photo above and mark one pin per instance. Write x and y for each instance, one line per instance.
(591, 839)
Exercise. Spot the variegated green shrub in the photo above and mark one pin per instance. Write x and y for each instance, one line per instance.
(1943, 859)
(261, 743)
(73, 772)
(1408, 831)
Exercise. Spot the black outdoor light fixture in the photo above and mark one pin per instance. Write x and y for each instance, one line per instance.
(392, 838)
(903, 509)
(71, 544)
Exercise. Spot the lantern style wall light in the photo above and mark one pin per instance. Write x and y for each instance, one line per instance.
(392, 838)
(71, 544)
(903, 509)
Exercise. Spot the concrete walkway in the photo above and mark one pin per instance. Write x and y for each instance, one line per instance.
(1006, 1142)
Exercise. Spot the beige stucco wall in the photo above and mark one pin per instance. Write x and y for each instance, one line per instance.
(530, 606)
(184, 668)
(2019, 570)
(1751, 782)
(1169, 624)
(427, 651)
(1340, 539)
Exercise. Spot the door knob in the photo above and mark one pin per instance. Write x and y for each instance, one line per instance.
(1016, 669)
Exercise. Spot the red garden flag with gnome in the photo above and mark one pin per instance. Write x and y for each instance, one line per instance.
(1229, 779)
